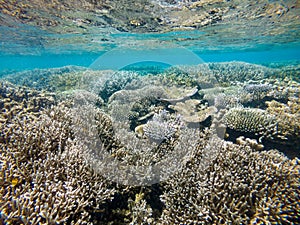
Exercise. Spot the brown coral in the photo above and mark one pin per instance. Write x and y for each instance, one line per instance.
(192, 111)
(223, 183)
(43, 171)
(256, 121)
(288, 117)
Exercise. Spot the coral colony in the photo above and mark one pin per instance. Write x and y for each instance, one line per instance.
(233, 142)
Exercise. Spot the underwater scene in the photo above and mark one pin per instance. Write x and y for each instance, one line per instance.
(150, 112)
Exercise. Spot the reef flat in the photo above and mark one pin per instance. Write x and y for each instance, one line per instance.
(214, 143)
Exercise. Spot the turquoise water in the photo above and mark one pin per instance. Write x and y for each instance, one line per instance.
(149, 112)
(262, 54)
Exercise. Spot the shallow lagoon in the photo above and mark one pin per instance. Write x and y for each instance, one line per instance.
(110, 117)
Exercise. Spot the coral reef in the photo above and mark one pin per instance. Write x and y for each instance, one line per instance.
(54, 79)
(176, 94)
(116, 82)
(255, 121)
(161, 127)
(192, 111)
(239, 71)
(178, 76)
(224, 101)
(288, 116)
(138, 156)
(258, 88)
(276, 125)
(16, 100)
(42, 168)
(236, 186)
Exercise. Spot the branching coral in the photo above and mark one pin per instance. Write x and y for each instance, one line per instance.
(44, 174)
(62, 78)
(222, 101)
(161, 127)
(79, 161)
(258, 90)
(277, 124)
(233, 185)
(116, 82)
(239, 71)
(288, 116)
(255, 121)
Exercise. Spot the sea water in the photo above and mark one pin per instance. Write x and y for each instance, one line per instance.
(197, 125)
(36, 58)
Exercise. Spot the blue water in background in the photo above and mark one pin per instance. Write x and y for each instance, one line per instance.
(11, 63)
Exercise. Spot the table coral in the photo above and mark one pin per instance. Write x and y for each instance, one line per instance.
(76, 159)
(192, 111)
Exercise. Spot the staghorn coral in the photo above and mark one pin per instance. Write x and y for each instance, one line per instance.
(55, 172)
(223, 183)
(140, 212)
(177, 76)
(50, 190)
(250, 142)
(201, 73)
(258, 91)
(43, 170)
(288, 116)
(276, 125)
(16, 100)
(280, 204)
(258, 88)
(224, 101)
(135, 106)
(230, 72)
